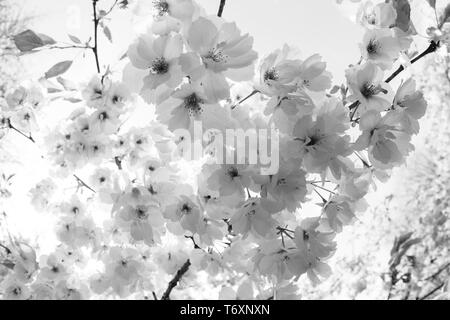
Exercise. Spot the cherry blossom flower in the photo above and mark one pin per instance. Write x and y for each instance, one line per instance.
(159, 57)
(382, 47)
(188, 104)
(289, 187)
(313, 75)
(367, 86)
(278, 72)
(380, 15)
(411, 105)
(387, 144)
(185, 211)
(221, 48)
(255, 216)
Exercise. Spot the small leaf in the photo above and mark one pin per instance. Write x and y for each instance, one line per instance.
(123, 56)
(107, 33)
(74, 39)
(46, 39)
(58, 69)
(432, 3)
(68, 85)
(27, 41)
(403, 9)
(335, 89)
(73, 100)
(53, 90)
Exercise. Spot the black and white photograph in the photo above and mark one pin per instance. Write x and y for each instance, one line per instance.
(226, 155)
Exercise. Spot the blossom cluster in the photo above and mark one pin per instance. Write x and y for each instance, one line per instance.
(228, 220)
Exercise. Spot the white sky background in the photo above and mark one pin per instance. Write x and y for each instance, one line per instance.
(313, 26)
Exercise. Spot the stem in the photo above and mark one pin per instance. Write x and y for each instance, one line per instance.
(83, 184)
(221, 7)
(432, 291)
(8, 251)
(69, 47)
(110, 9)
(324, 189)
(431, 48)
(173, 283)
(20, 132)
(246, 98)
(323, 199)
(96, 22)
(445, 267)
(355, 109)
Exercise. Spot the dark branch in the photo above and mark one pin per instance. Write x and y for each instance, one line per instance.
(29, 137)
(432, 292)
(442, 269)
(110, 9)
(432, 48)
(81, 183)
(8, 251)
(173, 283)
(246, 98)
(221, 7)
(96, 23)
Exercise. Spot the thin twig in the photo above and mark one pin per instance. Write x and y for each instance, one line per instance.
(431, 48)
(445, 267)
(432, 292)
(8, 251)
(221, 7)
(29, 137)
(110, 10)
(320, 187)
(246, 98)
(69, 47)
(96, 22)
(173, 283)
(83, 184)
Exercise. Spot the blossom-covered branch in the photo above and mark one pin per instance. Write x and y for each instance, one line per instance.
(173, 283)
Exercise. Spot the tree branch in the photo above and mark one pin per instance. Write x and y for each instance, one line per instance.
(96, 22)
(432, 292)
(83, 184)
(221, 7)
(442, 269)
(173, 283)
(20, 132)
(432, 48)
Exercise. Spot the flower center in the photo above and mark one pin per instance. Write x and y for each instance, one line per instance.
(372, 47)
(162, 7)
(186, 208)
(141, 213)
(313, 140)
(368, 90)
(159, 66)
(103, 116)
(233, 172)
(216, 55)
(271, 74)
(193, 104)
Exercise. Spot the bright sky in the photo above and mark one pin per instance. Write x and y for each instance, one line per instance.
(313, 26)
